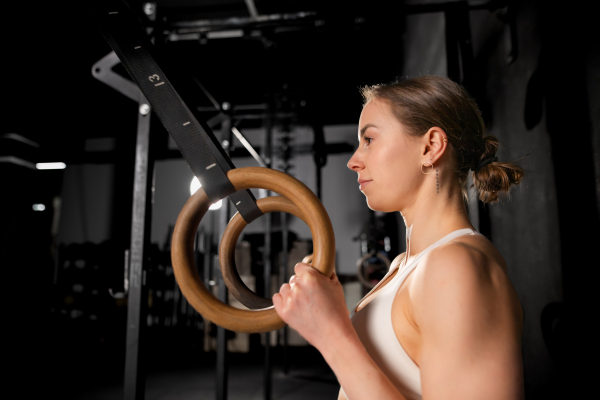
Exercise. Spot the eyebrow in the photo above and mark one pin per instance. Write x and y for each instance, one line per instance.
(364, 129)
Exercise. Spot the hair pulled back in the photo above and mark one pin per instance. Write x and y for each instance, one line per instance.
(427, 101)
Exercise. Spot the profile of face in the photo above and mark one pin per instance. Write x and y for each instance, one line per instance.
(387, 160)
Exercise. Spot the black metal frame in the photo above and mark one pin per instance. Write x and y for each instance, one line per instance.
(180, 28)
(141, 220)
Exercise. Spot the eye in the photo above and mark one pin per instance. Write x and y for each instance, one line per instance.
(368, 139)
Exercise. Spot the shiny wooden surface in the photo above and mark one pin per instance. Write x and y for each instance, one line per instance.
(182, 255)
(227, 251)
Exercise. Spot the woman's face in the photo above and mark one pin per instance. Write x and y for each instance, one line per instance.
(387, 159)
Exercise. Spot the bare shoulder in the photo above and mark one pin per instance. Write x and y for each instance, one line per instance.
(469, 258)
(470, 321)
(469, 271)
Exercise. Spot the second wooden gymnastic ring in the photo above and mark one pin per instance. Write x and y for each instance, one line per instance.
(189, 218)
(360, 265)
(231, 276)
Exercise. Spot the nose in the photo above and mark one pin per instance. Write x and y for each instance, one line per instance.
(355, 163)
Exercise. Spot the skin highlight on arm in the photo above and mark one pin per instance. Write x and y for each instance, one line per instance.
(470, 324)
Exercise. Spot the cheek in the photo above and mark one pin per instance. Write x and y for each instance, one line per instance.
(388, 168)
(393, 165)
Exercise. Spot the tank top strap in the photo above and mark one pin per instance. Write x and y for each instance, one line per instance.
(411, 264)
(404, 270)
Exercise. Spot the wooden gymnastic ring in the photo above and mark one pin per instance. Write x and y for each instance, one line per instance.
(232, 278)
(189, 218)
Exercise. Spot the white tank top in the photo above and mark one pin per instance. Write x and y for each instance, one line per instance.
(373, 324)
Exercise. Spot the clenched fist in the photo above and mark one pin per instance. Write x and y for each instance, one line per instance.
(313, 305)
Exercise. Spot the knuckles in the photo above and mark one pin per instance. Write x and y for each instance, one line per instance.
(284, 288)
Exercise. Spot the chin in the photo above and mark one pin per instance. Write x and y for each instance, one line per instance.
(375, 205)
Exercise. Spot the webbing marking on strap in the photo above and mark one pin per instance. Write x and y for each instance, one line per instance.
(199, 148)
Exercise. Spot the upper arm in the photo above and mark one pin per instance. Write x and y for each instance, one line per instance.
(470, 334)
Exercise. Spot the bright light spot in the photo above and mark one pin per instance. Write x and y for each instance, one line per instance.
(51, 165)
(216, 206)
(39, 207)
(195, 185)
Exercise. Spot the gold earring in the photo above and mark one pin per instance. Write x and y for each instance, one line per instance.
(427, 162)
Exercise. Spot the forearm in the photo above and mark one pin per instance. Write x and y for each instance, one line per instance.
(356, 371)
(315, 307)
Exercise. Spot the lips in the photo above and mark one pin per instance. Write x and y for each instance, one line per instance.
(363, 183)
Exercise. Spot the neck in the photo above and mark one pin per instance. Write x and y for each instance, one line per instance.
(434, 215)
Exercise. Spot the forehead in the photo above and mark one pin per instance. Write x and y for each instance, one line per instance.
(375, 113)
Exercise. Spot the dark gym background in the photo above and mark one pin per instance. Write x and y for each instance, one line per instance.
(533, 67)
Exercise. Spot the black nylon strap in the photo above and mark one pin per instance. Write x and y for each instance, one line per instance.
(195, 140)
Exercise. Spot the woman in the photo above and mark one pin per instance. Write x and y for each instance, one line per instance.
(445, 322)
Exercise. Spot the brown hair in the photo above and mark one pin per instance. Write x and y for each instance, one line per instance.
(427, 101)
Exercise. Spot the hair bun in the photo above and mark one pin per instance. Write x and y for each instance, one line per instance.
(496, 178)
(485, 162)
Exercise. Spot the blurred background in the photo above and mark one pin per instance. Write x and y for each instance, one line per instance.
(285, 75)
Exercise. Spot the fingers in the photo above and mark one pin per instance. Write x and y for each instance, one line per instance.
(280, 299)
(277, 301)
(284, 300)
(303, 268)
(307, 259)
(285, 289)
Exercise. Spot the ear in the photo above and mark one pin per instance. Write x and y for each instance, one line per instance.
(435, 143)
